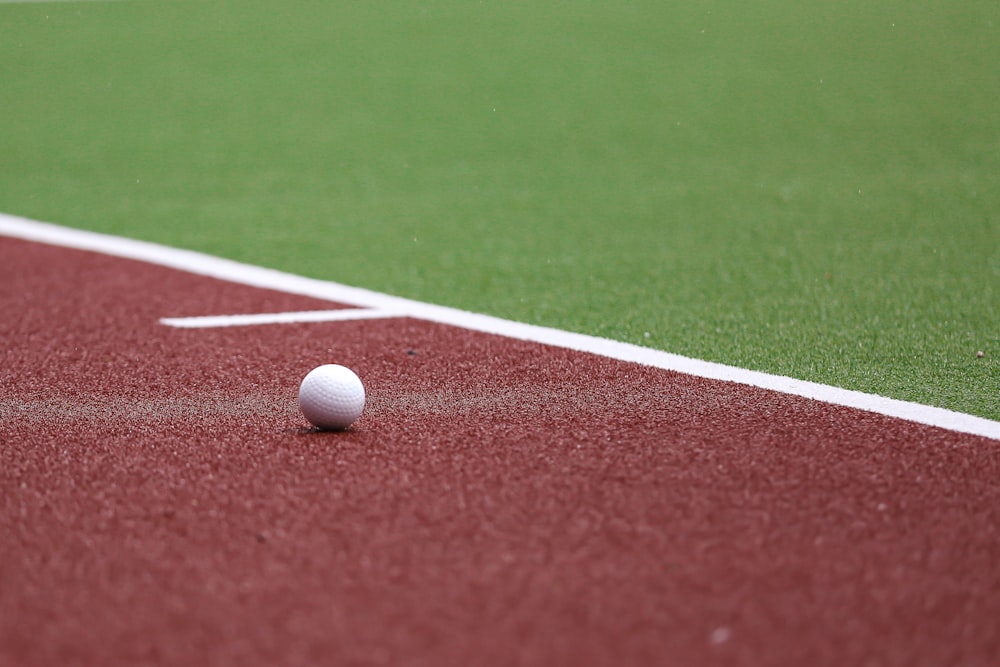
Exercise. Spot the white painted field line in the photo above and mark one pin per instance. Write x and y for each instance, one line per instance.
(224, 269)
(341, 315)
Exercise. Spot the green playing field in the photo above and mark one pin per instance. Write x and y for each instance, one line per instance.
(809, 189)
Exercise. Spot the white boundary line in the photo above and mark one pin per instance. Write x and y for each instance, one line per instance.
(224, 269)
(342, 315)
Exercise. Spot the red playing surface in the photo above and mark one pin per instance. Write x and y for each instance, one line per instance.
(499, 502)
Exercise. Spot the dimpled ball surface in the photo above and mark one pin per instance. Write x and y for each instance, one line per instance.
(331, 397)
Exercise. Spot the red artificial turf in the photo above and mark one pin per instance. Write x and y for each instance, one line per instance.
(500, 502)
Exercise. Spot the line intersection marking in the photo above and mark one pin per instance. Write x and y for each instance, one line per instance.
(232, 271)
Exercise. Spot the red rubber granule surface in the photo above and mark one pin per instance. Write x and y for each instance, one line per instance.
(162, 500)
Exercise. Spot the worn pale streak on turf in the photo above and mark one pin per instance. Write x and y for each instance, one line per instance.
(224, 269)
(81, 406)
(341, 315)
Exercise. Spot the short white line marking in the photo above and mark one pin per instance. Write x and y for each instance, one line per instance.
(341, 315)
(255, 276)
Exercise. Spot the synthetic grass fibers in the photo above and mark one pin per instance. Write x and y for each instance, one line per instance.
(809, 190)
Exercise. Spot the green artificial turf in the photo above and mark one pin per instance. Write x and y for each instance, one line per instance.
(809, 189)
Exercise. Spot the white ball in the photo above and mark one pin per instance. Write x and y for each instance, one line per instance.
(331, 397)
